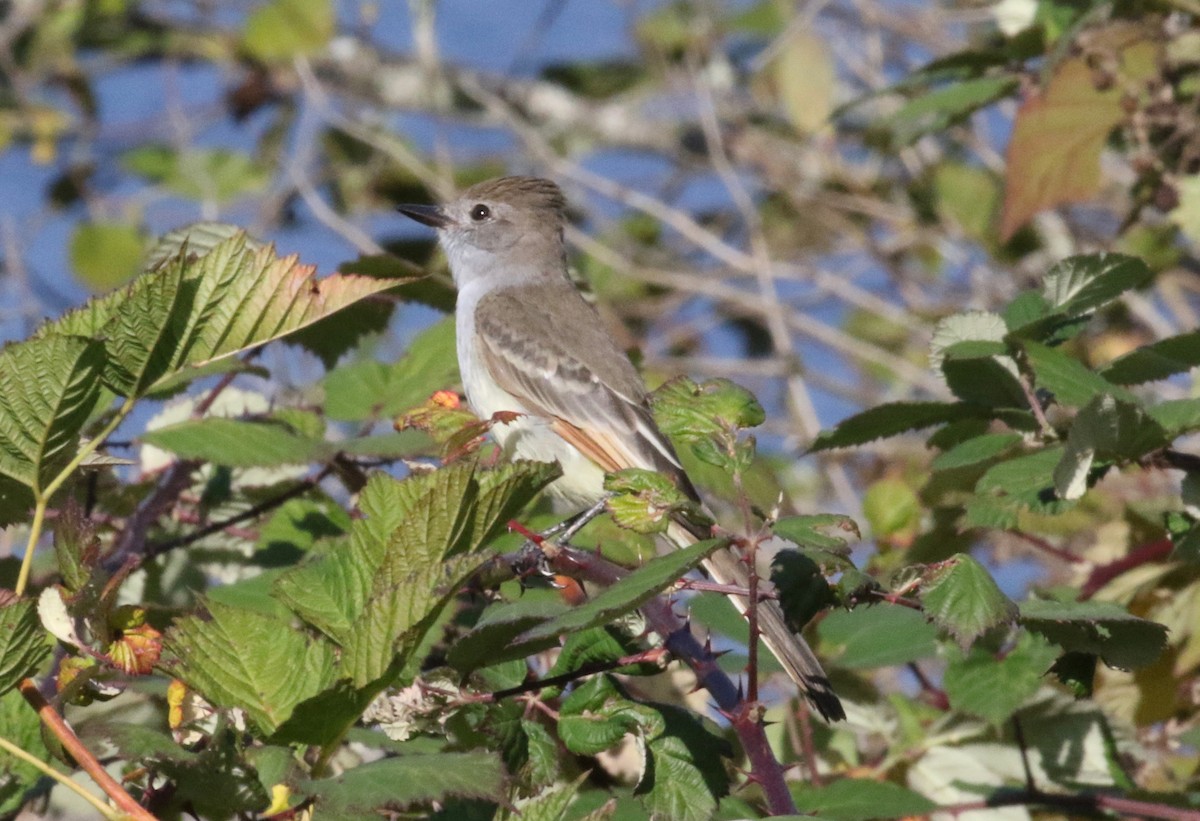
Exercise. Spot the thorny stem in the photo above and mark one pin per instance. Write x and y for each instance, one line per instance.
(42, 497)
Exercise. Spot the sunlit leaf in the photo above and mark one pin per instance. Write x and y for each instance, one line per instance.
(1054, 152)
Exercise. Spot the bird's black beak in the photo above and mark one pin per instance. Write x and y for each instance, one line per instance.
(430, 215)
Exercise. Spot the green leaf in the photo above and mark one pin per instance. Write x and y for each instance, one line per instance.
(48, 388)
(628, 594)
(943, 107)
(593, 717)
(892, 419)
(595, 646)
(1083, 284)
(408, 780)
(975, 450)
(877, 636)
(819, 536)
(23, 643)
(981, 372)
(860, 799)
(195, 310)
(1071, 382)
(106, 254)
(1027, 479)
(1108, 428)
(499, 625)
(962, 598)
(970, 326)
(892, 509)
(685, 770)
(993, 688)
(1101, 629)
(362, 390)
(692, 411)
(503, 492)
(242, 658)
(238, 443)
(643, 500)
(23, 728)
(1159, 360)
(1177, 416)
(550, 804)
(282, 29)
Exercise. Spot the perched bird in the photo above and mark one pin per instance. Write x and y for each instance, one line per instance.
(529, 343)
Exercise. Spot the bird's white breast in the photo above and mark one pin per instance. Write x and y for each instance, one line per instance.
(528, 436)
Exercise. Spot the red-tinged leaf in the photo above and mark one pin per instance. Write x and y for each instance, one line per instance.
(1054, 153)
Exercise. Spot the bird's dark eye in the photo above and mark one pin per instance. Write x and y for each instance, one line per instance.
(480, 212)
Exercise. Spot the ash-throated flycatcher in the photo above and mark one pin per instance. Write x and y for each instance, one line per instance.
(529, 343)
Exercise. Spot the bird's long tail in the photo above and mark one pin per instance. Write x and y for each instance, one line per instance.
(792, 651)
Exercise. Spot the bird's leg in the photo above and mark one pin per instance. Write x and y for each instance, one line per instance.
(539, 548)
(570, 526)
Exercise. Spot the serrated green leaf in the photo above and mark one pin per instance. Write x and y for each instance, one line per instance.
(593, 716)
(822, 537)
(892, 419)
(877, 636)
(23, 643)
(1071, 382)
(690, 411)
(1108, 428)
(409, 780)
(48, 388)
(1103, 629)
(961, 597)
(542, 753)
(969, 326)
(1083, 284)
(242, 658)
(503, 492)
(550, 804)
(1027, 478)
(685, 770)
(860, 799)
(980, 372)
(978, 449)
(194, 310)
(993, 688)
(595, 646)
(628, 594)
(1159, 360)
(643, 500)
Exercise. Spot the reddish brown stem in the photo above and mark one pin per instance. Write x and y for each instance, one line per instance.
(1102, 575)
(57, 725)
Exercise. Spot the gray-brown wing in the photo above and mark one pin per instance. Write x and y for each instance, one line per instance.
(551, 351)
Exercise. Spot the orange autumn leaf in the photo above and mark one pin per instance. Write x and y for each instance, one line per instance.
(1058, 134)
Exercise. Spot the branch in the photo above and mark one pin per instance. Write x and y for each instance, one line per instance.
(744, 716)
(82, 755)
